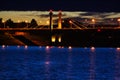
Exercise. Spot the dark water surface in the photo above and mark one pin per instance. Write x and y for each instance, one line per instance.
(56, 63)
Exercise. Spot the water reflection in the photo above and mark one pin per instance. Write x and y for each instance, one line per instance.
(117, 65)
(59, 63)
(92, 63)
(47, 63)
(69, 64)
(26, 47)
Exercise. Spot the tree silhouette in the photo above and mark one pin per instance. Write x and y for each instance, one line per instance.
(33, 23)
(1, 24)
(9, 23)
(0, 20)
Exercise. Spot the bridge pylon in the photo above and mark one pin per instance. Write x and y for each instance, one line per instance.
(60, 20)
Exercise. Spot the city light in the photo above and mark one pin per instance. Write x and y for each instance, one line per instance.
(93, 22)
(3, 46)
(53, 39)
(92, 49)
(98, 30)
(118, 48)
(47, 22)
(26, 46)
(3, 23)
(18, 21)
(70, 22)
(26, 23)
(118, 21)
(47, 47)
(69, 47)
(59, 39)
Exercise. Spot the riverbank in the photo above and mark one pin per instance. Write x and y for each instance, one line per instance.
(76, 38)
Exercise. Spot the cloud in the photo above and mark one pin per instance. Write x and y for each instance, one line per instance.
(47, 15)
(88, 14)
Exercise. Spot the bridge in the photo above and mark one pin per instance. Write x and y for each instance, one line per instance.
(76, 34)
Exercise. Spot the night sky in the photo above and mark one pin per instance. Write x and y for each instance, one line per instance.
(65, 5)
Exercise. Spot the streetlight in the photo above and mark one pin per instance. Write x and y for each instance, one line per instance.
(118, 21)
(3, 23)
(18, 23)
(70, 23)
(40, 22)
(93, 22)
(47, 22)
(26, 23)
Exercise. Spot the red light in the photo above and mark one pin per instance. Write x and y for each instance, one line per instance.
(51, 10)
(60, 11)
(98, 30)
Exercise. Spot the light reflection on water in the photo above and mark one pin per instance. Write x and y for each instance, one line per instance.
(117, 65)
(58, 63)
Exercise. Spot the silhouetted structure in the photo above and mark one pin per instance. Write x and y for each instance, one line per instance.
(59, 20)
(51, 21)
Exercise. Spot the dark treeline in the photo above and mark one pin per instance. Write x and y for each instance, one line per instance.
(66, 24)
(11, 24)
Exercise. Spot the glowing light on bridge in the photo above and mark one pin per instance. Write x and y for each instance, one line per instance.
(93, 22)
(26, 23)
(3, 23)
(70, 22)
(118, 21)
(18, 21)
(60, 20)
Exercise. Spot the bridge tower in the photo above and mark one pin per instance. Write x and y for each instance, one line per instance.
(60, 20)
(51, 20)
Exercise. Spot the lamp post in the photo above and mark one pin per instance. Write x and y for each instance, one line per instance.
(40, 22)
(70, 23)
(26, 23)
(3, 23)
(93, 22)
(60, 20)
(18, 23)
(118, 22)
(51, 20)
